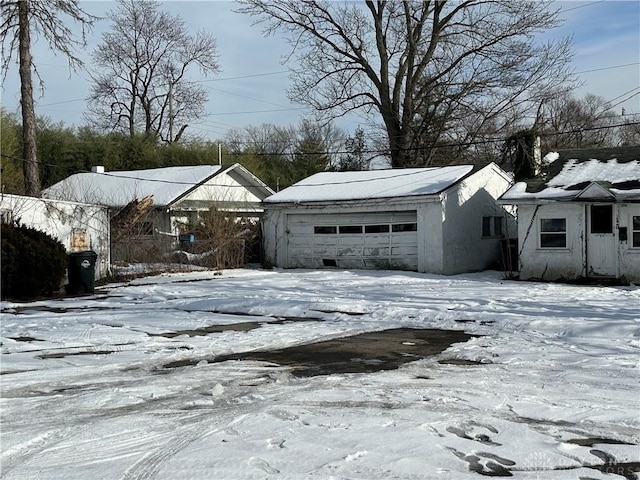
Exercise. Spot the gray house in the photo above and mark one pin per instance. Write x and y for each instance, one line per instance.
(439, 220)
(580, 216)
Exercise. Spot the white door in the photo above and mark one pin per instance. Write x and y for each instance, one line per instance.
(353, 240)
(602, 258)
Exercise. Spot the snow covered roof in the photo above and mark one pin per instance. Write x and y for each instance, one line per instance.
(567, 175)
(361, 185)
(115, 189)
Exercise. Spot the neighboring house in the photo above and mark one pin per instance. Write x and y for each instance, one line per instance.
(78, 226)
(439, 220)
(580, 217)
(177, 196)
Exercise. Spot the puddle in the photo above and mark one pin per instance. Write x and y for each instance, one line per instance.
(460, 362)
(238, 327)
(51, 309)
(26, 339)
(364, 353)
(590, 442)
(71, 354)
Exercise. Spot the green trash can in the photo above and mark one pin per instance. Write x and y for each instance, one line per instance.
(82, 268)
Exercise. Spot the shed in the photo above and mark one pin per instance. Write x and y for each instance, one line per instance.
(439, 219)
(78, 226)
(580, 217)
(175, 196)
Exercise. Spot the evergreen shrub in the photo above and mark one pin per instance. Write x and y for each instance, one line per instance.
(33, 263)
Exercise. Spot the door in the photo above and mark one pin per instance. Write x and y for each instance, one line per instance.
(353, 240)
(602, 259)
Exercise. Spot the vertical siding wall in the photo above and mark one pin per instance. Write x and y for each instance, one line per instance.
(77, 226)
(551, 264)
(628, 255)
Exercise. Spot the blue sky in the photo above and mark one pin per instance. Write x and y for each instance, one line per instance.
(250, 90)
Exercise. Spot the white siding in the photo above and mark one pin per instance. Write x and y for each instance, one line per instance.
(541, 263)
(629, 255)
(77, 226)
(464, 248)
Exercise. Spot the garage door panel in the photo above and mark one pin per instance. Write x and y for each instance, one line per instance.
(390, 242)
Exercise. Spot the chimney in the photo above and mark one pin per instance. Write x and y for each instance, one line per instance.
(98, 169)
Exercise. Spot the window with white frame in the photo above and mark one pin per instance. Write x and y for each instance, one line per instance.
(492, 226)
(635, 231)
(553, 233)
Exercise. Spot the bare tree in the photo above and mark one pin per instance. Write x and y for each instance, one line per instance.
(569, 122)
(21, 18)
(417, 65)
(141, 82)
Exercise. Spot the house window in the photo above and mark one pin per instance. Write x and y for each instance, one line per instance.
(325, 230)
(635, 235)
(601, 219)
(492, 227)
(553, 233)
(404, 227)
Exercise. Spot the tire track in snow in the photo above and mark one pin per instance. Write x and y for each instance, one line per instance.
(198, 426)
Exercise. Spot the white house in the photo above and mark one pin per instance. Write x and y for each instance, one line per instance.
(78, 226)
(178, 195)
(439, 220)
(580, 217)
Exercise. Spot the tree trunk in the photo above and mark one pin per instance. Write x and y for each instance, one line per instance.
(30, 150)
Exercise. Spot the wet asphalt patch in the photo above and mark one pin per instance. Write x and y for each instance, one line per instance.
(364, 353)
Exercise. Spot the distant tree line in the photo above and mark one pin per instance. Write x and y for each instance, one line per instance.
(279, 156)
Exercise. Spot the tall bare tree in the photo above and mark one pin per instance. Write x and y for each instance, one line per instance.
(417, 65)
(569, 122)
(140, 82)
(45, 18)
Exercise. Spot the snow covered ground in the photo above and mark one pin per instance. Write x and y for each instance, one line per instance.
(551, 390)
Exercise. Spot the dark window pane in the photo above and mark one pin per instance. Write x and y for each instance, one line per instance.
(323, 230)
(497, 226)
(636, 239)
(404, 227)
(553, 240)
(350, 229)
(636, 223)
(601, 219)
(486, 226)
(376, 228)
(553, 225)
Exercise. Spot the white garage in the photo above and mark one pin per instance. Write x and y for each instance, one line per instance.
(420, 219)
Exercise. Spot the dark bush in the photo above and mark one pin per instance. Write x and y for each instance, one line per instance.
(33, 263)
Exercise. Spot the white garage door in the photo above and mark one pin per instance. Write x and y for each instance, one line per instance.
(355, 240)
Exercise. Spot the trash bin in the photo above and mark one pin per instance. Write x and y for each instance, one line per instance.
(82, 267)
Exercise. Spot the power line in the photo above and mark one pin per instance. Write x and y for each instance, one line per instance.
(386, 150)
(609, 68)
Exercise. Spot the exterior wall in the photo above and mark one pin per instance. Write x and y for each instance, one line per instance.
(570, 263)
(464, 248)
(77, 226)
(226, 192)
(538, 263)
(629, 255)
(430, 237)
